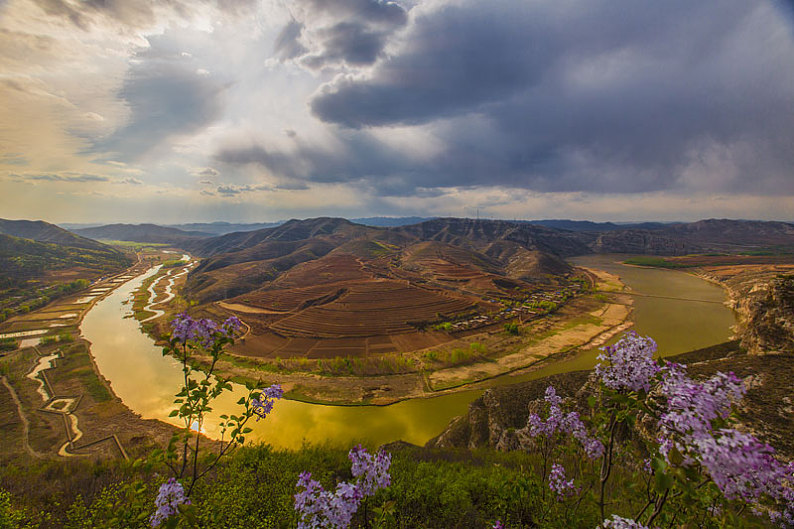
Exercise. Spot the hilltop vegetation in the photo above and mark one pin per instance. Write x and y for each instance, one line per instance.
(40, 262)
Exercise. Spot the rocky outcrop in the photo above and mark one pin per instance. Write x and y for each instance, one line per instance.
(494, 417)
(769, 324)
(642, 242)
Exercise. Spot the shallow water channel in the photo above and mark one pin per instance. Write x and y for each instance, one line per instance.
(146, 380)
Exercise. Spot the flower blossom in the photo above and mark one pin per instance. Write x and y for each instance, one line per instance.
(631, 363)
(568, 423)
(739, 464)
(202, 331)
(558, 484)
(262, 406)
(692, 406)
(618, 522)
(498, 525)
(320, 508)
(371, 471)
(169, 497)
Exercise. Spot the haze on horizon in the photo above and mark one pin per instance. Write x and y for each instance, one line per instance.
(259, 110)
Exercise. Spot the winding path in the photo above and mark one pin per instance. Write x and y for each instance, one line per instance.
(25, 423)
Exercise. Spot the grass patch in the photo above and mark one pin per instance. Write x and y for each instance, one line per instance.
(655, 262)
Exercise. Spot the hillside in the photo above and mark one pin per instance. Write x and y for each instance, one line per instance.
(141, 233)
(32, 273)
(732, 234)
(38, 230)
(521, 250)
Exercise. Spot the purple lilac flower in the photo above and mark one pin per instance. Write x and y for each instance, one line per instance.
(371, 471)
(320, 508)
(171, 495)
(498, 525)
(618, 522)
(692, 406)
(262, 406)
(570, 423)
(231, 326)
(558, 484)
(631, 365)
(739, 464)
(186, 329)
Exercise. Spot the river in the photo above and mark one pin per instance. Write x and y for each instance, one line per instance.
(146, 380)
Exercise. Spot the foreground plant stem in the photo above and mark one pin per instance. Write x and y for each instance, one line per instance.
(606, 465)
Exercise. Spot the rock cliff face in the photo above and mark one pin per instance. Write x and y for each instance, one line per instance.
(770, 321)
(642, 242)
(494, 417)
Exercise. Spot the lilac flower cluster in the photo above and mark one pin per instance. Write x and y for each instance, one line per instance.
(692, 406)
(498, 525)
(618, 522)
(202, 331)
(169, 497)
(631, 365)
(262, 406)
(740, 465)
(371, 471)
(320, 508)
(559, 485)
(568, 423)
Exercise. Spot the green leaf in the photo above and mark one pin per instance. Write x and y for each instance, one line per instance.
(174, 413)
(663, 481)
(675, 456)
(658, 465)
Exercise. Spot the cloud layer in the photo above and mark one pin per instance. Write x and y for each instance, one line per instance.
(266, 109)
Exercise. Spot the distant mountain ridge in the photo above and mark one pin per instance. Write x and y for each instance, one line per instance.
(587, 225)
(151, 233)
(40, 231)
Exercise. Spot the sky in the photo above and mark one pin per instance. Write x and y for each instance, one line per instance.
(258, 110)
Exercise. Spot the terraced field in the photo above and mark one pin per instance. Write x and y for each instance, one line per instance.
(373, 308)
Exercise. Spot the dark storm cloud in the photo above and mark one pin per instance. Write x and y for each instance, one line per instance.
(338, 32)
(168, 96)
(596, 96)
(363, 160)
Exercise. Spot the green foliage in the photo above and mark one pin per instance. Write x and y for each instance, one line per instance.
(512, 328)
(8, 344)
(657, 262)
(14, 518)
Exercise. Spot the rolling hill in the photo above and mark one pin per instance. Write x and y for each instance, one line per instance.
(38, 230)
(151, 233)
